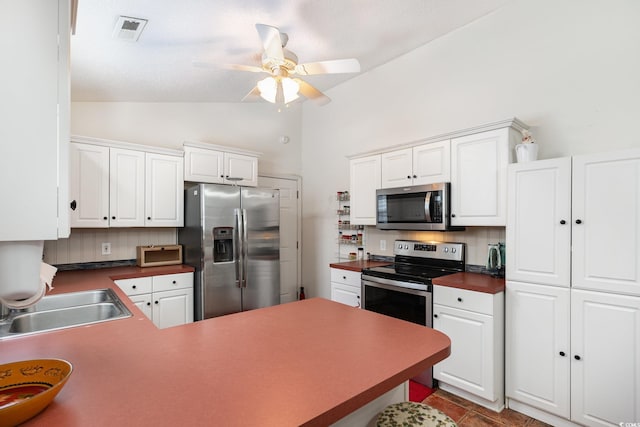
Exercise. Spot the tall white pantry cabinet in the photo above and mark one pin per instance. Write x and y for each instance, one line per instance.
(573, 289)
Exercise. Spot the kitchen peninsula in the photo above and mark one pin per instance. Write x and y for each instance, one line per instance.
(309, 362)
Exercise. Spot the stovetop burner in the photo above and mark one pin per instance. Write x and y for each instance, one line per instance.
(419, 262)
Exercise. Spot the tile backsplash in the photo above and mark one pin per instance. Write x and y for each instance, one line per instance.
(476, 239)
(85, 244)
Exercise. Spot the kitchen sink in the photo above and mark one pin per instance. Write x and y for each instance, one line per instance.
(64, 311)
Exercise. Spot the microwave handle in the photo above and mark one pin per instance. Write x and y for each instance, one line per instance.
(427, 206)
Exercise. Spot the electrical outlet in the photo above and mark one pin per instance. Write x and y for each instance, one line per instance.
(383, 245)
(106, 248)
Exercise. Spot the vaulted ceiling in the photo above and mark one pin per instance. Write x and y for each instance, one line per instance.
(159, 66)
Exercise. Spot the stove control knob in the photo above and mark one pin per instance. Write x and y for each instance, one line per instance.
(446, 250)
(399, 245)
(406, 246)
(453, 250)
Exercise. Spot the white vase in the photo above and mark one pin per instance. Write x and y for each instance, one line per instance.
(527, 152)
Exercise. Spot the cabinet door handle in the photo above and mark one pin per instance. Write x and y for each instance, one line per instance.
(453, 215)
(149, 218)
(435, 315)
(105, 218)
(344, 277)
(578, 221)
(148, 303)
(113, 217)
(562, 353)
(174, 282)
(134, 286)
(415, 176)
(577, 357)
(563, 222)
(459, 299)
(73, 205)
(156, 302)
(408, 176)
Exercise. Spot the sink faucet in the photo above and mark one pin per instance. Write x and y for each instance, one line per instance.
(4, 311)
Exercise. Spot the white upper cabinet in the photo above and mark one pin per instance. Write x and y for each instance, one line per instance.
(423, 164)
(432, 163)
(112, 186)
(164, 191)
(241, 168)
(126, 188)
(89, 186)
(397, 168)
(365, 180)
(203, 165)
(219, 165)
(479, 177)
(539, 222)
(606, 222)
(34, 106)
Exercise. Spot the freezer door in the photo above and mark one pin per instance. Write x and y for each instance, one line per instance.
(219, 291)
(262, 217)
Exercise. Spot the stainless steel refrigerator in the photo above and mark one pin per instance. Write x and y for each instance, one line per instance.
(232, 238)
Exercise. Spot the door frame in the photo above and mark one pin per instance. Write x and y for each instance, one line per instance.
(298, 180)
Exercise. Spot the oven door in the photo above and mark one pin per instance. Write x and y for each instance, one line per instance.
(412, 305)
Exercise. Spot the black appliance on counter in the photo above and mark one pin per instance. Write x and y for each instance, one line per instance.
(403, 290)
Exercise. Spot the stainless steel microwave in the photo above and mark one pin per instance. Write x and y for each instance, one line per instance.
(420, 207)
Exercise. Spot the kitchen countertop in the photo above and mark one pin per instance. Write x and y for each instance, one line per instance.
(307, 362)
(358, 265)
(472, 282)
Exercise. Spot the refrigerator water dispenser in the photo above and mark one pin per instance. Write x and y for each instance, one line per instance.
(223, 244)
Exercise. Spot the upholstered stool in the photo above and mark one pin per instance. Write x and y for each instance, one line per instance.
(413, 414)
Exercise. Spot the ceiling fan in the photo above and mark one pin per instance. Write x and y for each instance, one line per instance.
(281, 64)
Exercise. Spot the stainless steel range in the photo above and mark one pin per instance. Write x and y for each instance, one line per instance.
(403, 289)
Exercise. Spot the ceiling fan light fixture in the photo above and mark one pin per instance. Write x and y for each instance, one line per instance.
(268, 88)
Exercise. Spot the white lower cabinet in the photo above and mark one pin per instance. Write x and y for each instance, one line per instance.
(474, 322)
(345, 287)
(573, 354)
(537, 346)
(167, 300)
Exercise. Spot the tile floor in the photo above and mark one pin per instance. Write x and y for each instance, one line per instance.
(468, 414)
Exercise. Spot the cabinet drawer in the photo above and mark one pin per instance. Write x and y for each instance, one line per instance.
(168, 282)
(463, 299)
(135, 286)
(347, 277)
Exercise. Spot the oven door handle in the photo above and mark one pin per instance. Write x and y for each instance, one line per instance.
(397, 285)
(427, 206)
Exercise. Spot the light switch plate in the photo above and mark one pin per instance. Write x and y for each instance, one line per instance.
(383, 245)
(106, 248)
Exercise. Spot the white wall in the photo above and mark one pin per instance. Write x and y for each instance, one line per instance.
(256, 127)
(567, 68)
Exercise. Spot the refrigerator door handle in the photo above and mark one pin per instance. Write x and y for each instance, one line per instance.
(237, 247)
(245, 249)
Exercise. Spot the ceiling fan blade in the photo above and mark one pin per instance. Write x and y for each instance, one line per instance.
(254, 95)
(240, 67)
(312, 93)
(271, 41)
(329, 67)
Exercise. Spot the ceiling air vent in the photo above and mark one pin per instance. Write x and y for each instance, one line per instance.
(128, 28)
